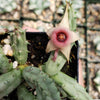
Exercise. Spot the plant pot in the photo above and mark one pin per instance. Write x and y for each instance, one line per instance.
(37, 55)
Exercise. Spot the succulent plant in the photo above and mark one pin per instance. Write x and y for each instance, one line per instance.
(24, 94)
(7, 5)
(9, 81)
(45, 79)
(45, 87)
(5, 65)
(19, 45)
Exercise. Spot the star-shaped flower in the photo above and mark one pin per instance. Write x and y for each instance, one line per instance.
(61, 37)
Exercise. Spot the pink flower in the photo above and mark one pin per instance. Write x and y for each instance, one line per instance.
(61, 37)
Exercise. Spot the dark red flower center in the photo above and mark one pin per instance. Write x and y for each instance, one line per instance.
(61, 37)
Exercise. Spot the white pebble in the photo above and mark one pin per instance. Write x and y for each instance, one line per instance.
(7, 50)
(15, 64)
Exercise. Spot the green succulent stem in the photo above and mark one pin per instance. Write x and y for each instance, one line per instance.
(45, 87)
(19, 45)
(72, 88)
(5, 65)
(24, 94)
(9, 81)
(69, 85)
(52, 67)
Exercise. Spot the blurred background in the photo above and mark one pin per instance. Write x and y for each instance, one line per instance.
(43, 14)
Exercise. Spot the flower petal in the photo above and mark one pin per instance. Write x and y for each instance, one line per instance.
(65, 22)
(49, 33)
(75, 37)
(66, 51)
(50, 47)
